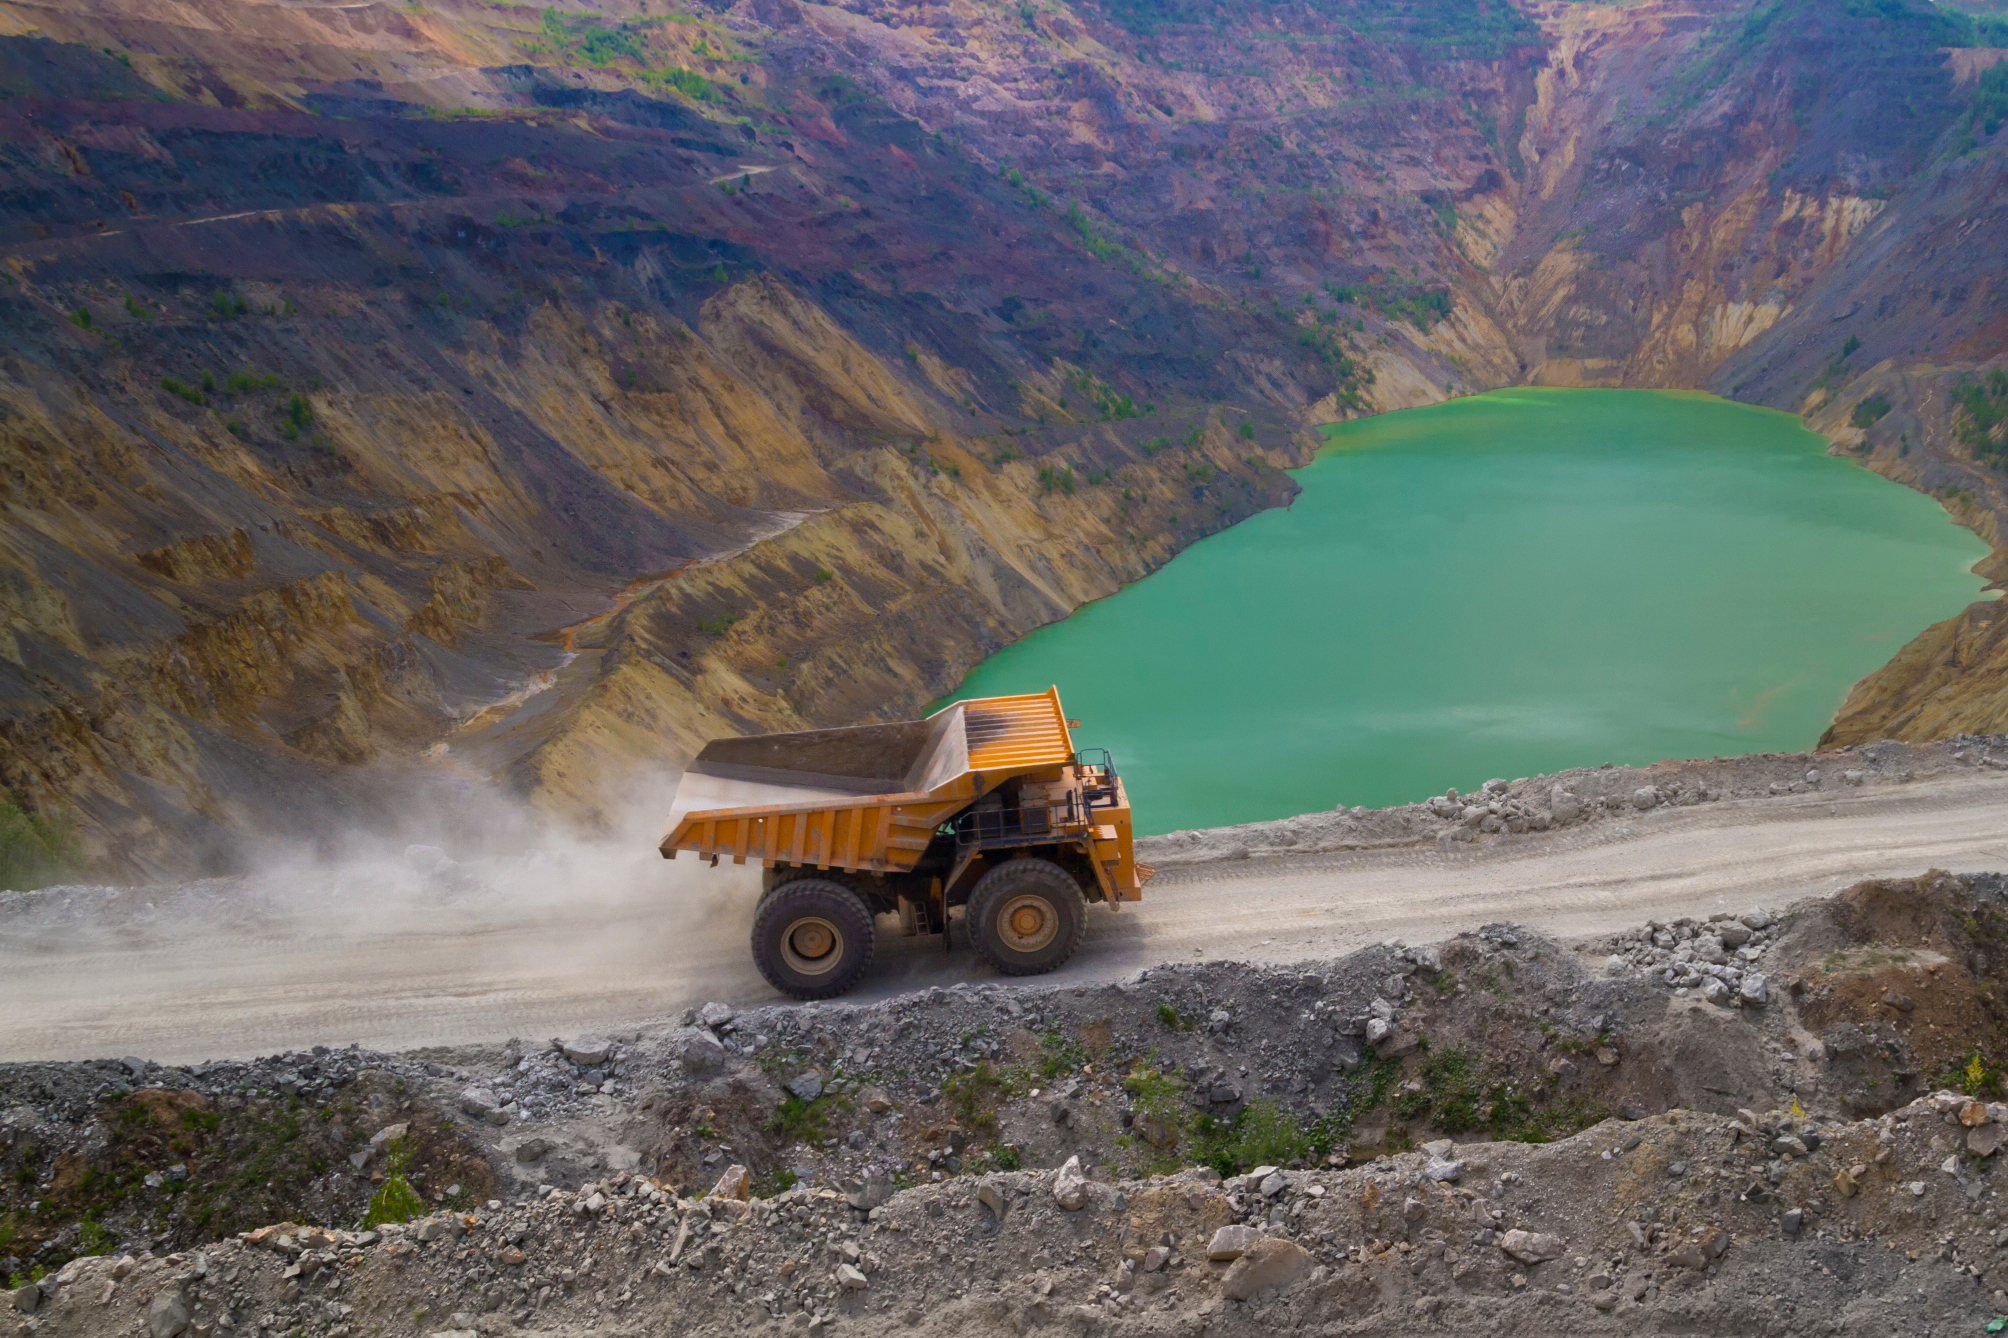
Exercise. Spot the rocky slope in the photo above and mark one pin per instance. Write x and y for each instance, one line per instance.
(1768, 1123)
(1502, 809)
(470, 392)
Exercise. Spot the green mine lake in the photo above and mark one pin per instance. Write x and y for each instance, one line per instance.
(1502, 585)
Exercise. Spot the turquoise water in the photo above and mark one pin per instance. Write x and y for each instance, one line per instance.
(1502, 585)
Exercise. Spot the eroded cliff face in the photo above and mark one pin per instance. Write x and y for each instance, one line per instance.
(309, 501)
(486, 393)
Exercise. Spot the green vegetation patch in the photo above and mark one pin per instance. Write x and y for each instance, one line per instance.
(1263, 1134)
(299, 413)
(395, 1200)
(1111, 405)
(1980, 408)
(1988, 110)
(973, 1096)
(35, 851)
(1099, 246)
(1458, 1097)
(1398, 299)
(249, 382)
(687, 82)
(1839, 368)
(1059, 1055)
(586, 40)
(799, 1121)
(183, 390)
(176, 1166)
(1870, 411)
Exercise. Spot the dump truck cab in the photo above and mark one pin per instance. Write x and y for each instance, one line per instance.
(986, 804)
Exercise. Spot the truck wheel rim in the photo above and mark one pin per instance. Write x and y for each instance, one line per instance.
(1027, 923)
(812, 946)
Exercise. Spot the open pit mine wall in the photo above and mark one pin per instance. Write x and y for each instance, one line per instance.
(215, 628)
(358, 358)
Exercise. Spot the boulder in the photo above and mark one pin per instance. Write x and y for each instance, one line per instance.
(1689, 1255)
(716, 1015)
(478, 1103)
(1070, 1186)
(1532, 1247)
(806, 1085)
(533, 1149)
(1231, 1242)
(587, 1051)
(1755, 991)
(851, 1279)
(1733, 934)
(1267, 1264)
(736, 1183)
(27, 1298)
(873, 1191)
(1564, 805)
(1644, 797)
(699, 1052)
(1986, 1140)
(167, 1317)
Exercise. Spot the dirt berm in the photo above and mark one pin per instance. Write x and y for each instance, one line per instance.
(1780, 1122)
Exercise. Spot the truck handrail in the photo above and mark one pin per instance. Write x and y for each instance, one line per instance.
(1027, 825)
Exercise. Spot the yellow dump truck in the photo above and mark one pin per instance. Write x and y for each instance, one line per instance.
(985, 804)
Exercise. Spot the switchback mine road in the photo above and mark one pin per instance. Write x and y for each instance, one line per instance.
(611, 938)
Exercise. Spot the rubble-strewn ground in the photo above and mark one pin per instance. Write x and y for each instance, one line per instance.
(1755, 1124)
(1503, 809)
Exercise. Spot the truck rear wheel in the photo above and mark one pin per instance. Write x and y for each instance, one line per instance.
(1026, 916)
(812, 938)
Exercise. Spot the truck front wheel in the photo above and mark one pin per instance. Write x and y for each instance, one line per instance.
(1026, 916)
(812, 938)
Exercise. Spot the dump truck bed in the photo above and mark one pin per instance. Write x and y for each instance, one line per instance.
(865, 797)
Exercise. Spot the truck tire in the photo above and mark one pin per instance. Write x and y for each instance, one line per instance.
(1026, 916)
(812, 938)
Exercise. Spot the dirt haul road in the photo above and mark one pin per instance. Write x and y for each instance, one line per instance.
(396, 959)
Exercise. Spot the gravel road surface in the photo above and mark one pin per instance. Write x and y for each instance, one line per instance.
(394, 958)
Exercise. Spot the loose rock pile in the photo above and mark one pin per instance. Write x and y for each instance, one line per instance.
(1717, 959)
(1213, 1146)
(1682, 1222)
(1503, 810)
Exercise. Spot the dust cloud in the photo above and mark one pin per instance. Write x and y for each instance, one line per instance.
(504, 917)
